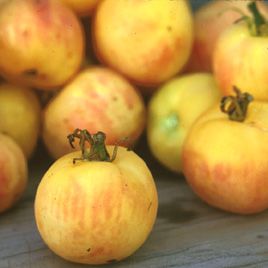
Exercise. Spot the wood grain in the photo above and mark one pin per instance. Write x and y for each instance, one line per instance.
(187, 233)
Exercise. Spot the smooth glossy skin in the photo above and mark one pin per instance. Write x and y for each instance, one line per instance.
(210, 21)
(20, 116)
(225, 162)
(96, 212)
(98, 99)
(44, 50)
(147, 41)
(13, 172)
(247, 70)
(171, 112)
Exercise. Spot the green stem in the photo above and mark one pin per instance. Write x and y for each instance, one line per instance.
(236, 106)
(258, 19)
(257, 23)
(97, 151)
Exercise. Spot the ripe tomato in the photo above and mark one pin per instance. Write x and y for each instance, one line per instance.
(247, 70)
(13, 172)
(96, 212)
(225, 160)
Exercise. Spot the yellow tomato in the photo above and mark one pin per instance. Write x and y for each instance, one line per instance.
(13, 172)
(146, 41)
(20, 113)
(172, 111)
(47, 48)
(225, 162)
(96, 212)
(96, 99)
(248, 41)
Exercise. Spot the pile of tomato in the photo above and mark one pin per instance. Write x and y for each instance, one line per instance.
(89, 77)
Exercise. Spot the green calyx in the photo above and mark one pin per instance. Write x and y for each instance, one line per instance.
(97, 151)
(257, 24)
(170, 122)
(236, 106)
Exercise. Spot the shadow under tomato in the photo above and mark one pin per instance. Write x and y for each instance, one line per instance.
(175, 213)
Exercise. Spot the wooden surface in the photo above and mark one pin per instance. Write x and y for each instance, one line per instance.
(187, 233)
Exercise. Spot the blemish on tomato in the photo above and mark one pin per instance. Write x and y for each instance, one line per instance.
(69, 55)
(169, 28)
(25, 33)
(30, 72)
(93, 94)
(42, 7)
(95, 98)
(165, 54)
(97, 251)
(220, 172)
(56, 206)
(129, 99)
(103, 79)
(42, 76)
(150, 205)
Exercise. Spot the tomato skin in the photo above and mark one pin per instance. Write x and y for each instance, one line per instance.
(20, 105)
(171, 112)
(99, 99)
(247, 70)
(13, 172)
(165, 29)
(26, 51)
(88, 212)
(215, 17)
(225, 162)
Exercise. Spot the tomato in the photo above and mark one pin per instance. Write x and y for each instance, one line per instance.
(146, 41)
(171, 112)
(13, 172)
(98, 99)
(247, 70)
(225, 160)
(21, 111)
(96, 212)
(215, 17)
